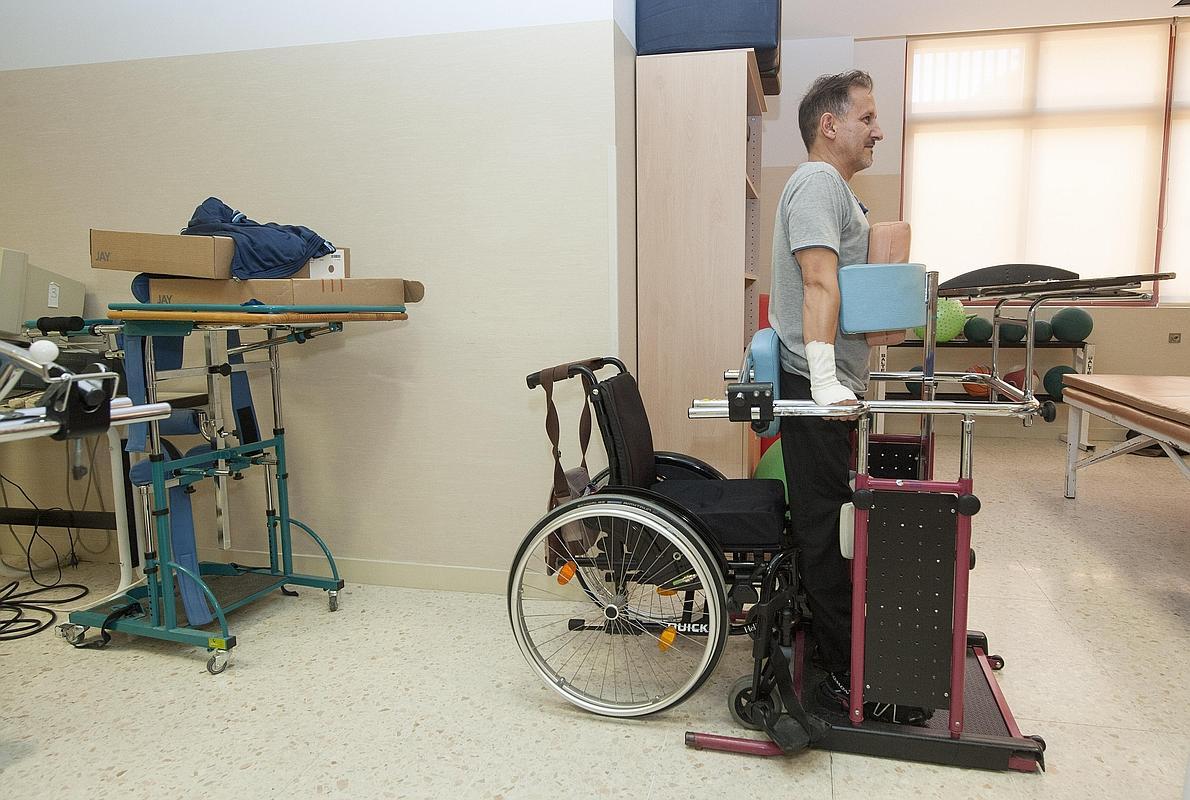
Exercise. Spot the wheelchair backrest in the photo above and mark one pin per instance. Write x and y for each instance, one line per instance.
(627, 436)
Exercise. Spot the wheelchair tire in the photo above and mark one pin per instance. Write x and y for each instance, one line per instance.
(645, 623)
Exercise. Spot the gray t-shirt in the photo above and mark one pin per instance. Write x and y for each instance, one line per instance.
(817, 209)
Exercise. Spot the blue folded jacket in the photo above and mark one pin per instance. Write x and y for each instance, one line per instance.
(263, 250)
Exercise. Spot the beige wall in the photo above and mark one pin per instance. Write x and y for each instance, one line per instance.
(493, 166)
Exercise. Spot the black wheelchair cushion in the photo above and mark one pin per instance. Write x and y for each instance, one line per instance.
(742, 514)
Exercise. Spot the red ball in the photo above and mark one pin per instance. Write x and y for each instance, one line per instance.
(1017, 378)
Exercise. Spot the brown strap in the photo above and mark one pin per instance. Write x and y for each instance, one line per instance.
(561, 489)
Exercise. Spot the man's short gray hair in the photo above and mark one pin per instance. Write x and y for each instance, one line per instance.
(829, 93)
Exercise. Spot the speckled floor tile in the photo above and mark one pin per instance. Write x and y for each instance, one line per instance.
(423, 694)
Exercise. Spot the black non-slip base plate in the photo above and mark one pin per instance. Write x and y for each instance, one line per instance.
(985, 743)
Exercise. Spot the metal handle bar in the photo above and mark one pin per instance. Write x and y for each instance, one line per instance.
(718, 409)
(31, 423)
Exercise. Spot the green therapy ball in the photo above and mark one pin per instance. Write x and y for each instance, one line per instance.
(1072, 325)
(978, 329)
(1053, 380)
(1011, 332)
(772, 466)
(951, 318)
(1042, 331)
(914, 387)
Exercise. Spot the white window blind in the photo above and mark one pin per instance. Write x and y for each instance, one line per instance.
(1038, 147)
(1175, 241)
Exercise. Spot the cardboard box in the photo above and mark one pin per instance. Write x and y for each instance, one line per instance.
(334, 265)
(287, 291)
(191, 256)
(167, 254)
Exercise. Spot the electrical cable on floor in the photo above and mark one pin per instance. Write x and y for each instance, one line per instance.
(28, 613)
(30, 564)
(23, 609)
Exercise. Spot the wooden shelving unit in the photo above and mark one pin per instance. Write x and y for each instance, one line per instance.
(697, 234)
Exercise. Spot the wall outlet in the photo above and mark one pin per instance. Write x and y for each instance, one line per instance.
(1175, 338)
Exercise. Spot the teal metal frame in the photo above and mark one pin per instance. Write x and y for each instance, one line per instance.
(157, 613)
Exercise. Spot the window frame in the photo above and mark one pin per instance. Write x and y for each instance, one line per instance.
(1167, 124)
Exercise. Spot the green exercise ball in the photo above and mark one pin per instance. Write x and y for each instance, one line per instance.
(951, 318)
(772, 465)
(1072, 325)
(1011, 332)
(1053, 380)
(978, 329)
(1042, 331)
(914, 387)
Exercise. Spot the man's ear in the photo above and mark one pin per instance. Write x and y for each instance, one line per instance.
(826, 125)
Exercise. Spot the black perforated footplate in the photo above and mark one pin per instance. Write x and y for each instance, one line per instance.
(894, 459)
(981, 713)
(910, 592)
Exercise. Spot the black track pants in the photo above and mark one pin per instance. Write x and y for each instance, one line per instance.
(817, 455)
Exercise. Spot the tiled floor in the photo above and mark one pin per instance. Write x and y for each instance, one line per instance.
(407, 693)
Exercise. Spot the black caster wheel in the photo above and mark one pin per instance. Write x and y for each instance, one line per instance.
(1039, 740)
(996, 662)
(73, 633)
(743, 707)
(333, 600)
(218, 662)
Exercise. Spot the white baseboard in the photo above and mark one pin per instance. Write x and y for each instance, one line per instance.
(385, 573)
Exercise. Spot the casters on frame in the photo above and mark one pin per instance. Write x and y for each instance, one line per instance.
(218, 661)
(332, 599)
(996, 662)
(744, 707)
(73, 633)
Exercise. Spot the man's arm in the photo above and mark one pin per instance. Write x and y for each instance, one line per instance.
(820, 319)
(820, 296)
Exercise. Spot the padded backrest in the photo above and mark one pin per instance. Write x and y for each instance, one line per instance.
(888, 243)
(626, 433)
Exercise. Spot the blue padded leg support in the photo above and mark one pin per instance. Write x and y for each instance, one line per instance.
(247, 429)
(167, 351)
(185, 553)
(134, 376)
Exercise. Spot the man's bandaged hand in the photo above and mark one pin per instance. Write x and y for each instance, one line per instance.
(825, 388)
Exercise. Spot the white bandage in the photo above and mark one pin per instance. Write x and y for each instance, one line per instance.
(825, 388)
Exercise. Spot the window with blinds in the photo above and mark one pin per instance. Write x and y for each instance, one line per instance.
(1046, 146)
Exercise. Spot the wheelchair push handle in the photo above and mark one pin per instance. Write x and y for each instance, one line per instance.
(587, 367)
(48, 325)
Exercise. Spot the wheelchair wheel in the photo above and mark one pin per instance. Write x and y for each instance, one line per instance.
(630, 626)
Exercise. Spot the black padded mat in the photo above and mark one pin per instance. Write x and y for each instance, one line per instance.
(910, 598)
(981, 713)
(227, 589)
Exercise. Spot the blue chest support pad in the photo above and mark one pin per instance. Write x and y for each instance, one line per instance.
(881, 297)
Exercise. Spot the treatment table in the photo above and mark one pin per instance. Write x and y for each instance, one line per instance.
(1155, 406)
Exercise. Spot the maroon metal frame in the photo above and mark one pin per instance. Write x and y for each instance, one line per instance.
(961, 580)
(1015, 762)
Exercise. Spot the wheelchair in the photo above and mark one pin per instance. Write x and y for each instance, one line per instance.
(623, 600)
